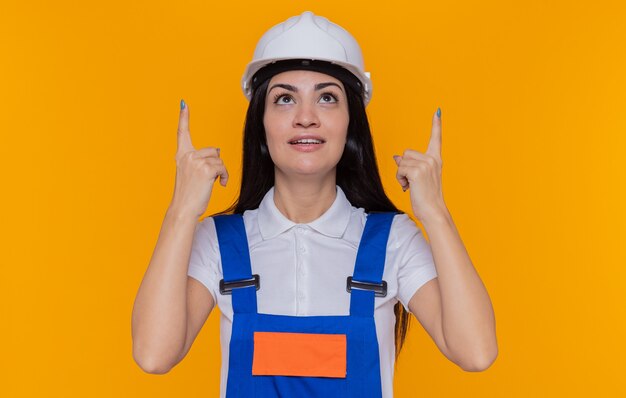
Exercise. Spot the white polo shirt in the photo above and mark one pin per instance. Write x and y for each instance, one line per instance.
(303, 269)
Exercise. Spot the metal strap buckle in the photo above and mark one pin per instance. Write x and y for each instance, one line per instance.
(380, 289)
(227, 287)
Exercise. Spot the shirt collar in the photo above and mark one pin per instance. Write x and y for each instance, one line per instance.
(332, 223)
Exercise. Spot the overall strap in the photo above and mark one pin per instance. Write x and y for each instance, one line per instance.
(370, 264)
(233, 244)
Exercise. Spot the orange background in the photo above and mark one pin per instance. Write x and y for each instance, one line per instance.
(533, 102)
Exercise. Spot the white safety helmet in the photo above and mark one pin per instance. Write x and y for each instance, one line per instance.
(312, 37)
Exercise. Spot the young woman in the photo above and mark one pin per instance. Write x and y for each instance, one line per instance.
(313, 267)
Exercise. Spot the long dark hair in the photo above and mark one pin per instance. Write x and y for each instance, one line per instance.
(357, 172)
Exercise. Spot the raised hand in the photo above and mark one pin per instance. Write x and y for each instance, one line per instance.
(421, 173)
(196, 170)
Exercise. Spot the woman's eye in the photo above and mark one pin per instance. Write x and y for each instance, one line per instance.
(328, 98)
(282, 99)
(286, 99)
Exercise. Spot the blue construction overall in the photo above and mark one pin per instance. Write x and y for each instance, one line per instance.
(348, 342)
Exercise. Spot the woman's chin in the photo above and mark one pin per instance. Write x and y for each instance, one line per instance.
(305, 171)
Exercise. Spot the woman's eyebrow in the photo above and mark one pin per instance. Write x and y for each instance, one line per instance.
(289, 87)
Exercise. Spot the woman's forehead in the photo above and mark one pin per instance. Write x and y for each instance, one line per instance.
(302, 78)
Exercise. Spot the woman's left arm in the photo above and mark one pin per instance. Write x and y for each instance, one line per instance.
(454, 308)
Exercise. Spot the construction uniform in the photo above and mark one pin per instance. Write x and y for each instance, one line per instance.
(302, 333)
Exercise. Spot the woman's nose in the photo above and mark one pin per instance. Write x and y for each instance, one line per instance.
(306, 116)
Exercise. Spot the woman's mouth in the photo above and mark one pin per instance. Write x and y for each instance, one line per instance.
(306, 144)
(306, 141)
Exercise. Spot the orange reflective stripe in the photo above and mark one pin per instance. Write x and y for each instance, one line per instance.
(299, 354)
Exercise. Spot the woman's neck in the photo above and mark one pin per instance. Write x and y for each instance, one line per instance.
(303, 200)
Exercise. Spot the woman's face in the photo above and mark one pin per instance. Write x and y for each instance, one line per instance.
(306, 122)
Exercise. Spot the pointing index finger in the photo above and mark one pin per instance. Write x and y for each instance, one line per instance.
(434, 145)
(184, 137)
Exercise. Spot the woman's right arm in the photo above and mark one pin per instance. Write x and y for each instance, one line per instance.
(171, 307)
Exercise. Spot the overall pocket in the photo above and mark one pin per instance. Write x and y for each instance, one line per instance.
(299, 354)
